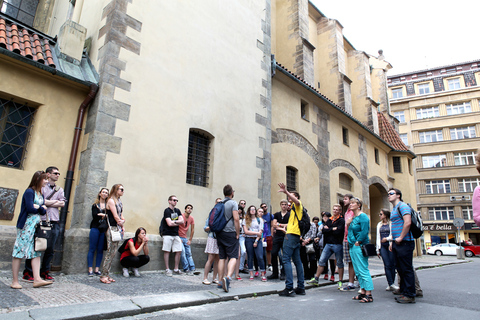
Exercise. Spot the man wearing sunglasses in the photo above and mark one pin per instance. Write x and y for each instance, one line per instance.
(186, 257)
(171, 240)
(403, 245)
(54, 200)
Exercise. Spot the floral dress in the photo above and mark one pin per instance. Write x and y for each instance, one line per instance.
(24, 244)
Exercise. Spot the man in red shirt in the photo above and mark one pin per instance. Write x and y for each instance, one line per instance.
(186, 257)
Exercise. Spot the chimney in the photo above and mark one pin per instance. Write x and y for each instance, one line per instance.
(71, 40)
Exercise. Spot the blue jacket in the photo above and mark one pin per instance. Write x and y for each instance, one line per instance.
(27, 208)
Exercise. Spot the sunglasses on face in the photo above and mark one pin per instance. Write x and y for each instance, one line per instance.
(391, 193)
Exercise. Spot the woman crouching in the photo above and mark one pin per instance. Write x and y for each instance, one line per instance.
(131, 257)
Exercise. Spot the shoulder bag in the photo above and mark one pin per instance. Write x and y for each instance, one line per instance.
(43, 232)
(114, 231)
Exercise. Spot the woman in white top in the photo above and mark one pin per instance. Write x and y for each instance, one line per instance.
(383, 240)
(253, 227)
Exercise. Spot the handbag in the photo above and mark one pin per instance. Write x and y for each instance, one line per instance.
(309, 248)
(103, 225)
(117, 235)
(368, 250)
(43, 232)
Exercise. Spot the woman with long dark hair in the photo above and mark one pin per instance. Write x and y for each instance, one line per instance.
(115, 218)
(384, 239)
(253, 227)
(24, 248)
(99, 213)
(131, 257)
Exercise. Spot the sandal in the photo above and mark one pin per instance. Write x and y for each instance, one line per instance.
(111, 279)
(359, 297)
(367, 299)
(206, 282)
(104, 280)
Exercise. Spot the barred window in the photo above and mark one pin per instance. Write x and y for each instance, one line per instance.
(397, 164)
(440, 213)
(198, 159)
(438, 186)
(464, 158)
(292, 179)
(468, 184)
(15, 123)
(345, 181)
(467, 213)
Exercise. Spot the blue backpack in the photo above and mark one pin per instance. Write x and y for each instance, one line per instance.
(216, 218)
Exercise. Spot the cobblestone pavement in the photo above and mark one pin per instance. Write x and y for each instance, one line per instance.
(81, 289)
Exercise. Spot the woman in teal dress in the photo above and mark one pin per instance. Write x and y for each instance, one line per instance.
(32, 207)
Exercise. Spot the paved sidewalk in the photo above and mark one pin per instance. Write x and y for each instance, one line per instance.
(82, 297)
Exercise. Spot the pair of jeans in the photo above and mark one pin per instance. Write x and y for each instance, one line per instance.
(134, 262)
(243, 251)
(186, 257)
(327, 252)
(277, 254)
(360, 265)
(96, 244)
(254, 251)
(291, 250)
(388, 263)
(403, 253)
(48, 254)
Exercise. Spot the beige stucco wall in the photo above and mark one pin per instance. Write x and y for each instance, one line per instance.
(57, 101)
(283, 42)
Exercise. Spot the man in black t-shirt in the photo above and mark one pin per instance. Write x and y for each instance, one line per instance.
(279, 223)
(171, 240)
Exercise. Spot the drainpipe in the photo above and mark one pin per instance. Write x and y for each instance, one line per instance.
(57, 259)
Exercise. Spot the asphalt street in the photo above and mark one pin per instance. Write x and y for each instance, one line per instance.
(449, 291)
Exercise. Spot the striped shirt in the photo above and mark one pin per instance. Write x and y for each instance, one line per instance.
(397, 221)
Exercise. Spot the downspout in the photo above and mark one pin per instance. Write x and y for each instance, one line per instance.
(57, 259)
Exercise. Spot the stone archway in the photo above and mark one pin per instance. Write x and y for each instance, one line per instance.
(378, 199)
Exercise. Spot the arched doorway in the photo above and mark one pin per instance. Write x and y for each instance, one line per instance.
(378, 200)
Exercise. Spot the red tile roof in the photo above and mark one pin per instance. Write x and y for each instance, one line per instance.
(25, 42)
(389, 134)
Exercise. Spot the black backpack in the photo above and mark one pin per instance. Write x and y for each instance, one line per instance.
(304, 223)
(161, 229)
(416, 228)
(123, 247)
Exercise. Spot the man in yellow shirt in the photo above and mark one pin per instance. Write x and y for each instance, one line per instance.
(291, 245)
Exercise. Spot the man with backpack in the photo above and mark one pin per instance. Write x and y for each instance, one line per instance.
(403, 245)
(227, 236)
(291, 246)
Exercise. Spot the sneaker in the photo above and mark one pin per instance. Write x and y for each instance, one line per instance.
(325, 277)
(347, 288)
(239, 278)
(136, 273)
(419, 294)
(264, 279)
(257, 274)
(313, 281)
(215, 281)
(397, 292)
(46, 276)
(125, 273)
(299, 291)
(168, 273)
(332, 278)
(226, 284)
(270, 268)
(188, 273)
(340, 285)
(90, 274)
(177, 272)
(287, 293)
(391, 288)
(404, 299)
(243, 271)
(97, 273)
(282, 277)
(272, 277)
(205, 281)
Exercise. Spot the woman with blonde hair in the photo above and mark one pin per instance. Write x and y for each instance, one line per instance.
(24, 248)
(115, 217)
(253, 227)
(96, 235)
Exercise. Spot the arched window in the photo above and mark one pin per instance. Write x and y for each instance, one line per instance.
(345, 181)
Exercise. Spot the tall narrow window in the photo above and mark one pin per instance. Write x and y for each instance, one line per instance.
(292, 179)
(345, 136)
(304, 110)
(198, 158)
(345, 181)
(377, 156)
(397, 164)
(15, 123)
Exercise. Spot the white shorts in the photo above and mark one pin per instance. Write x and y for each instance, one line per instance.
(172, 243)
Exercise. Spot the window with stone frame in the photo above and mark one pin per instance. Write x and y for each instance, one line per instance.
(430, 136)
(304, 110)
(345, 136)
(397, 93)
(437, 186)
(404, 138)
(467, 212)
(400, 115)
(441, 213)
(453, 83)
(345, 181)
(423, 88)
(464, 158)
(292, 184)
(468, 184)
(22, 10)
(459, 108)
(15, 124)
(198, 159)
(462, 133)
